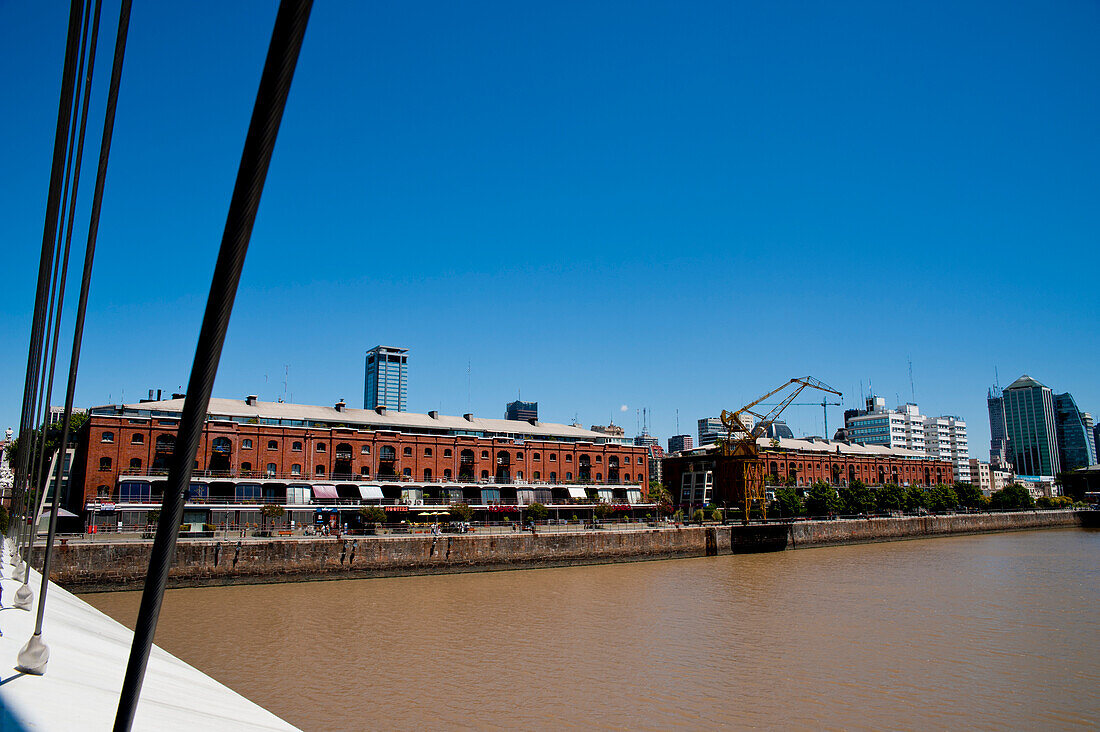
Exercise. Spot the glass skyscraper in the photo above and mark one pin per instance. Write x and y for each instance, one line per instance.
(998, 442)
(1030, 427)
(386, 383)
(1075, 441)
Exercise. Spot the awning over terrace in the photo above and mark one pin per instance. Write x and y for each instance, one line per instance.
(325, 490)
(370, 492)
(577, 492)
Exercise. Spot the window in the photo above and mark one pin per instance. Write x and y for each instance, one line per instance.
(107, 437)
(105, 463)
(319, 470)
(538, 475)
(272, 444)
(364, 450)
(599, 458)
(519, 475)
(320, 447)
(447, 452)
(296, 469)
(568, 458)
(364, 471)
(407, 452)
(135, 463)
(484, 474)
(569, 476)
(535, 456)
(485, 453)
(103, 492)
(599, 476)
(245, 467)
(553, 457)
(627, 477)
(270, 470)
(246, 444)
(296, 446)
(447, 473)
(553, 476)
(407, 472)
(137, 439)
(519, 456)
(427, 452)
(387, 453)
(427, 473)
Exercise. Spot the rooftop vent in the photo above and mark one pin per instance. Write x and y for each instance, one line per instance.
(250, 400)
(433, 414)
(533, 420)
(341, 405)
(469, 416)
(381, 409)
(177, 395)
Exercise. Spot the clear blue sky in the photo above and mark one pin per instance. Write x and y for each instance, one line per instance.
(604, 205)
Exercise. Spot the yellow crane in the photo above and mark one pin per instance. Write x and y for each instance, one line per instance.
(746, 475)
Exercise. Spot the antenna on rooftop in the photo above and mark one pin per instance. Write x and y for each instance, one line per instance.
(912, 388)
(677, 420)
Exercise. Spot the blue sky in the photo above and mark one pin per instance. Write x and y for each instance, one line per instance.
(597, 205)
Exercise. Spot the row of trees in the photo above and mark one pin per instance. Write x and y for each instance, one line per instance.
(821, 499)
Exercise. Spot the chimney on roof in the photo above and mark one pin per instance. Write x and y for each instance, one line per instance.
(158, 395)
(469, 416)
(250, 400)
(381, 409)
(341, 405)
(150, 395)
(433, 414)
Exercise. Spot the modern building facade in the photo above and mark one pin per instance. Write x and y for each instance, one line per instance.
(998, 437)
(679, 443)
(1030, 428)
(386, 383)
(1076, 448)
(941, 437)
(521, 410)
(711, 429)
(311, 458)
(779, 430)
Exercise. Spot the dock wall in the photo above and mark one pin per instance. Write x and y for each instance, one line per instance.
(102, 566)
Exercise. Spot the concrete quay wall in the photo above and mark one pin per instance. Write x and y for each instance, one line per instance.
(100, 566)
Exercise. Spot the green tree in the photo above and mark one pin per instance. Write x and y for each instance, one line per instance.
(53, 439)
(373, 515)
(537, 512)
(970, 496)
(462, 512)
(890, 497)
(152, 517)
(787, 502)
(1014, 496)
(915, 497)
(699, 516)
(659, 494)
(856, 498)
(822, 499)
(601, 511)
(271, 511)
(942, 498)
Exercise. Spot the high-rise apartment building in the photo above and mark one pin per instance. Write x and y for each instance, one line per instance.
(522, 410)
(1030, 428)
(711, 429)
(386, 383)
(1075, 440)
(939, 437)
(998, 439)
(679, 443)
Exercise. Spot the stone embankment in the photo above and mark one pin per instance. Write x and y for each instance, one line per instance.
(100, 566)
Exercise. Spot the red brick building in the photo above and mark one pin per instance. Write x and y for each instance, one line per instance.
(690, 476)
(255, 452)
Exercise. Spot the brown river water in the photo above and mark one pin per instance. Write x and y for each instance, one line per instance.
(987, 632)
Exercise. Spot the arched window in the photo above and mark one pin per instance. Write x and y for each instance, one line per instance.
(599, 476)
(447, 452)
(296, 469)
(485, 453)
(321, 447)
(296, 446)
(135, 463)
(105, 464)
(553, 457)
(568, 457)
(103, 492)
(387, 453)
(626, 477)
(407, 472)
(365, 471)
(246, 444)
(538, 475)
(364, 450)
(427, 452)
(568, 475)
(407, 452)
(271, 470)
(107, 437)
(599, 458)
(427, 473)
(519, 456)
(319, 470)
(272, 444)
(447, 473)
(245, 467)
(535, 456)
(137, 439)
(553, 477)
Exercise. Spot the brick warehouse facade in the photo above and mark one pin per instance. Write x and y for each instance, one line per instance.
(691, 477)
(277, 444)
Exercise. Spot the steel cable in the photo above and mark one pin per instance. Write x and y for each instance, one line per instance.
(267, 112)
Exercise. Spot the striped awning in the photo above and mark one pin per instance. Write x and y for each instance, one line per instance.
(325, 491)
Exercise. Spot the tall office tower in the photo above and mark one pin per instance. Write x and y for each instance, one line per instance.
(1030, 428)
(1075, 442)
(711, 428)
(386, 383)
(679, 443)
(1090, 429)
(522, 410)
(998, 439)
(1096, 441)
